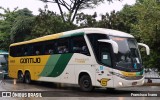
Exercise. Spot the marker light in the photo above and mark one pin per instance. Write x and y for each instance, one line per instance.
(120, 83)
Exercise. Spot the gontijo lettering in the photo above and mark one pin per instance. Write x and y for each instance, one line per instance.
(30, 60)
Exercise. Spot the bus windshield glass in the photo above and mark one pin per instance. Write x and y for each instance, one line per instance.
(128, 56)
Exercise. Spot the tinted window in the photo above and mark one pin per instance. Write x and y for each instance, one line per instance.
(50, 47)
(104, 55)
(62, 46)
(101, 50)
(79, 45)
(38, 49)
(16, 51)
(76, 44)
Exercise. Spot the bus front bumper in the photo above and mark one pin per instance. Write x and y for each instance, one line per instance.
(120, 82)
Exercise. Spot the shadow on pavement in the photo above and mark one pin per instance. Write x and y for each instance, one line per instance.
(63, 90)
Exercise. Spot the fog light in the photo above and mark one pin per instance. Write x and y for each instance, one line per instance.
(120, 83)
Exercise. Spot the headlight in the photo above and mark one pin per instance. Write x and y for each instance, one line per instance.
(120, 83)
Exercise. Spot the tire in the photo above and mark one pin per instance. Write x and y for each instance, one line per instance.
(27, 78)
(86, 83)
(20, 76)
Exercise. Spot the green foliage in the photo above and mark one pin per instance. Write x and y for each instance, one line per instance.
(48, 22)
(127, 18)
(85, 20)
(148, 24)
(5, 27)
(4, 41)
(73, 6)
(145, 27)
(141, 20)
(21, 30)
(111, 21)
(22, 27)
(15, 26)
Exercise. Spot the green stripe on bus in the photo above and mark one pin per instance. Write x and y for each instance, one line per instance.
(139, 73)
(73, 34)
(56, 65)
(60, 65)
(50, 65)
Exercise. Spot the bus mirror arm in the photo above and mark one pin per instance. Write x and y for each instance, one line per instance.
(146, 46)
(113, 43)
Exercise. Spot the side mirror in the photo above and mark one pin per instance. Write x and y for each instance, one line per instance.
(146, 46)
(113, 43)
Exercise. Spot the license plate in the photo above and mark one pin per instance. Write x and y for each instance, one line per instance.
(134, 83)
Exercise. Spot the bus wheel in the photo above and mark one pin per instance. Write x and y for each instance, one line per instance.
(27, 78)
(20, 76)
(85, 83)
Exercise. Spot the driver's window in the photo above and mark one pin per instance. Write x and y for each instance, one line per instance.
(105, 58)
(104, 54)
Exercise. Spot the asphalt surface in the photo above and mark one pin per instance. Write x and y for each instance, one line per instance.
(50, 91)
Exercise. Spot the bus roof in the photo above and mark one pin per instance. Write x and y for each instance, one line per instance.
(76, 32)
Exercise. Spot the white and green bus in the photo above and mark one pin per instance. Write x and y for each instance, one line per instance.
(90, 57)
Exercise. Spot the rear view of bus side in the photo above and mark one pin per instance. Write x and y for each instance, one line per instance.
(90, 57)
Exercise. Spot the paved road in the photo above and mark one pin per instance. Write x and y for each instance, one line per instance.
(68, 92)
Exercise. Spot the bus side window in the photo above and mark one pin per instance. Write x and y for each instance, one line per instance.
(24, 50)
(19, 51)
(50, 51)
(104, 56)
(62, 46)
(37, 52)
(12, 51)
(60, 49)
(84, 50)
(79, 45)
(49, 47)
(38, 49)
(30, 50)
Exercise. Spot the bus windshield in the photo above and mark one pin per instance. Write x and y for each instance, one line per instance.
(128, 56)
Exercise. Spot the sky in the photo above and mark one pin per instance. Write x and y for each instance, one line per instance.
(34, 5)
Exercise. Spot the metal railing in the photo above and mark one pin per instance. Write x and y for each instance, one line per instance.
(152, 75)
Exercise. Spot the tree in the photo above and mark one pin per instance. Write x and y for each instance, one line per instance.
(22, 27)
(6, 22)
(113, 20)
(48, 22)
(148, 28)
(73, 6)
(142, 20)
(127, 17)
(85, 20)
(14, 26)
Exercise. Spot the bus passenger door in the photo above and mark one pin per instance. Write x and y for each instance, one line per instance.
(104, 68)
